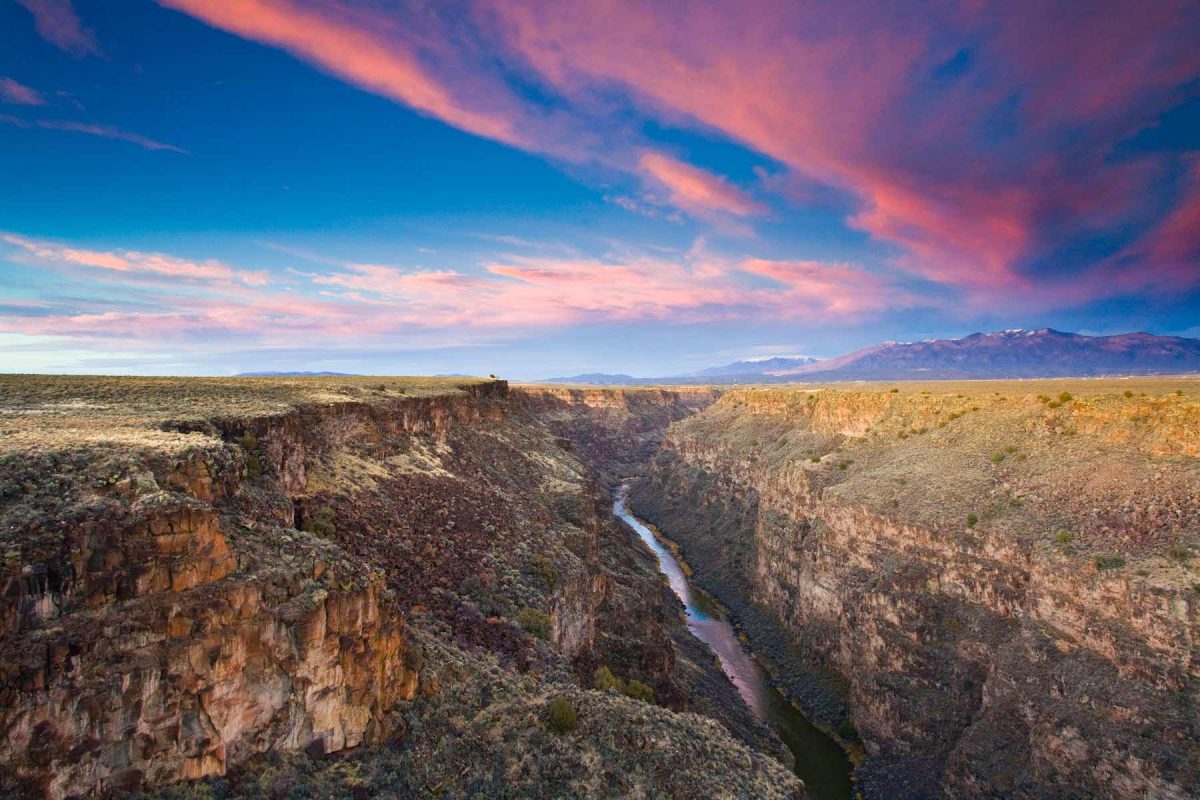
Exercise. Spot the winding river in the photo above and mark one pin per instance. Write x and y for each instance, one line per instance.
(820, 761)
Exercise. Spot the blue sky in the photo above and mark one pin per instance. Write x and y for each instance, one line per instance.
(533, 190)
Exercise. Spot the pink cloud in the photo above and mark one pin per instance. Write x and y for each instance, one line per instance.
(180, 298)
(134, 262)
(357, 48)
(13, 92)
(57, 23)
(971, 179)
(697, 190)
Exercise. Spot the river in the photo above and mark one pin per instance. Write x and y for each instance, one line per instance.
(820, 761)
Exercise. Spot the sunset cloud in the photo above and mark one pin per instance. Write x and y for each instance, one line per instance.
(57, 23)
(13, 92)
(696, 190)
(132, 261)
(973, 140)
(361, 300)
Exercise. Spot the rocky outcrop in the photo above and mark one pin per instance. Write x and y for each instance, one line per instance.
(991, 578)
(147, 639)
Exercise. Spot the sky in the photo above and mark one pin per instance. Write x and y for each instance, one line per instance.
(535, 189)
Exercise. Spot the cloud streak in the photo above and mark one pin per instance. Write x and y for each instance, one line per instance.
(90, 129)
(13, 92)
(697, 190)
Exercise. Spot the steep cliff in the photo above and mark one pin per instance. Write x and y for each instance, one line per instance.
(614, 431)
(232, 579)
(998, 581)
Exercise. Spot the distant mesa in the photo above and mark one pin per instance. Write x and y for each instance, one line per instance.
(1012, 353)
(292, 374)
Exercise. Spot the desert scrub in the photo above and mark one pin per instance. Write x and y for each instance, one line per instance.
(997, 457)
(639, 691)
(322, 523)
(248, 442)
(972, 520)
(1065, 397)
(561, 716)
(1178, 553)
(604, 679)
(1063, 537)
(1108, 562)
(535, 622)
(544, 568)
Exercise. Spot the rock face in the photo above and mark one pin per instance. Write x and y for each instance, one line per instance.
(1005, 584)
(615, 431)
(146, 640)
(406, 572)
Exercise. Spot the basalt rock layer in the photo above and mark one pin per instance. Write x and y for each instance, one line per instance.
(999, 580)
(209, 579)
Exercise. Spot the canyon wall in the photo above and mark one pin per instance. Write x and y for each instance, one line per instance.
(233, 579)
(1000, 588)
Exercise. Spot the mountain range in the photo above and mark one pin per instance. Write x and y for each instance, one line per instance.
(1013, 353)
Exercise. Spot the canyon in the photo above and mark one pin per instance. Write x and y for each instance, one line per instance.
(345, 586)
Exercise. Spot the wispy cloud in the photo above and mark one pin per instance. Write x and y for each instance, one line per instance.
(13, 92)
(57, 23)
(697, 190)
(132, 261)
(159, 295)
(103, 131)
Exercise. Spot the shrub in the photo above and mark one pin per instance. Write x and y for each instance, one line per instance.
(1064, 537)
(816, 459)
(545, 569)
(414, 658)
(972, 520)
(1010, 449)
(253, 467)
(842, 465)
(639, 691)
(1128, 393)
(603, 679)
(322, 523)
(1179, 392)
(1053, 404)
(1065, 397)
(997, 458)
(1179, 553)
(1108, 562)
(894, 391)
(561, 716)
(848, 732)
(249, 444)
(534, 621)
